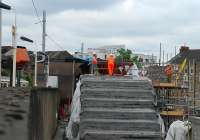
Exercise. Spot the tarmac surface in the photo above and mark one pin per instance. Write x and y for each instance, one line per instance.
(14, 106)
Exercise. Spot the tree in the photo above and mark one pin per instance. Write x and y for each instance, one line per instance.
(124, 54)
(135, 60)
(127, 56)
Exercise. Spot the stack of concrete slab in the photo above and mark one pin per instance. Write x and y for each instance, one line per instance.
(118, 108)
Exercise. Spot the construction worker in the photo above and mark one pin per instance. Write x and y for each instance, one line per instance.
(94, 64)
(111, 63)
(133, 70)
(169, 72)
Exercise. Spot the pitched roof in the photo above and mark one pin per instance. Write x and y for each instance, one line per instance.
(190, 55)
(58, 55)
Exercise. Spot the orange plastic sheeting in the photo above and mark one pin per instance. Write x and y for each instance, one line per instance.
(22, 55)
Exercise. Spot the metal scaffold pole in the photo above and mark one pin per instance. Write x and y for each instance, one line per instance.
(160, 54)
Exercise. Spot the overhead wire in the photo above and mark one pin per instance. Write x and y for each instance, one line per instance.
(40, 21)
(55, 42)
(36, 13)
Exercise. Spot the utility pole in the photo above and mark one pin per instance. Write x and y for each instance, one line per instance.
(14, 44)
(46, 62)
(160, 54)
(163, 57)
(82, 49)
(44, 32)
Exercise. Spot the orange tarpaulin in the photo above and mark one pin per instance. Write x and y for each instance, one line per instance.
(22, 57)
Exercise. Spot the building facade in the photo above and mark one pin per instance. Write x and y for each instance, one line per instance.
(146, 59)
(103, 51)
(84, 56)
(190, 76)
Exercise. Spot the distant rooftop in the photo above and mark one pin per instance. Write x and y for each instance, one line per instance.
(185, 52)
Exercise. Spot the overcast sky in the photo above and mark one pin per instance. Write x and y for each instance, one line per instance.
(139, 24)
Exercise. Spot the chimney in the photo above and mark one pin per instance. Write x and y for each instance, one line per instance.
(184, 49)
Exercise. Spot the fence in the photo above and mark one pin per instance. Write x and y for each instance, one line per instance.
(43, 113)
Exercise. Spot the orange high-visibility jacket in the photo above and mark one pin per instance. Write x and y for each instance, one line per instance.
(111, 64)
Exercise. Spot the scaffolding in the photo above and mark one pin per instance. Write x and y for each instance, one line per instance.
(178, 98)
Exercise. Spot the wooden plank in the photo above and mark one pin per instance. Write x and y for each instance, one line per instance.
(172, 113)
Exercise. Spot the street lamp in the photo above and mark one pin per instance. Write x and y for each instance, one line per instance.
(4, 6)
(35, 70)
(26, 39)
(7, 7)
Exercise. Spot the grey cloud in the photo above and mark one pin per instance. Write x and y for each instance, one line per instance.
(101, 22)
(54, 6)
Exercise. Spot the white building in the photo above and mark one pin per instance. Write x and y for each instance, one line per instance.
(84, 56)
(147, 59)
(103, 51)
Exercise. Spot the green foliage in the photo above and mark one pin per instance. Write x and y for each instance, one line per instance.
(5, 72)
(135, 59)
(127, 56)
(29, 78)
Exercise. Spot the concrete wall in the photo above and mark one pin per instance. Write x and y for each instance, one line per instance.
(64, 71)
(195, 128)
(43, 113)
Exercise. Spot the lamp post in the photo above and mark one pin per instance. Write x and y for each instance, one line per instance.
(35, 69)
(7, 7)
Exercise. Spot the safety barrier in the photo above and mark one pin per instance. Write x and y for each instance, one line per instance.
(43, 113)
